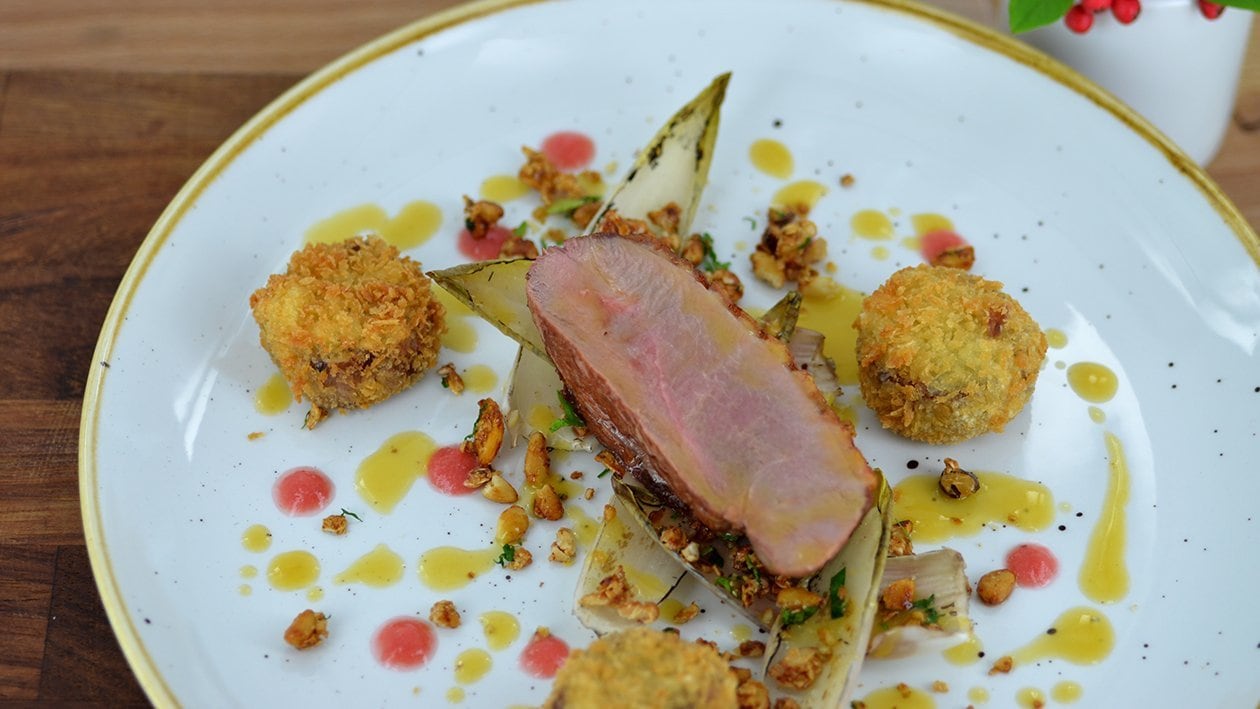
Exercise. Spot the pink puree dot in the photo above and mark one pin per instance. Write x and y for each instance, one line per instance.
(1033, 564)
(448, 469)
(487, 247)
(544, 655)
(935, 243)
(404, 643)
(568, 150)
(302, 491)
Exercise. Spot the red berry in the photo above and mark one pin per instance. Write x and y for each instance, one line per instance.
(1096, 5)
(1126, 11)
(1078, 19)
(1210, 9)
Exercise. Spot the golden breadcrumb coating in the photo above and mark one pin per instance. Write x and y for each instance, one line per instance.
(944, 356)
(643, 668)
(349, 324)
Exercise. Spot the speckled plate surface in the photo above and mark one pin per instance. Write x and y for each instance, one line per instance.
(1101, 229)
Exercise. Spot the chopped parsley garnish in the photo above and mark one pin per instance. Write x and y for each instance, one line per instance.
(837, 601)
(469, 224)
(348, 513)
(729, 537)
(520, 230)
(570, 418)
(508, 555)
(928, 605)
(798, 616)
(567, 205)
(752, 223)
(604, 472)
(805, 244)
(710, 262)
(726, 584)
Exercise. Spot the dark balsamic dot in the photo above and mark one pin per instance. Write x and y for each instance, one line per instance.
(980, 654)
(148, 622)
(777, 123)
(1080, 514)
(1052, 631)
(1170, 364)
(1063, 528)
(912, 464)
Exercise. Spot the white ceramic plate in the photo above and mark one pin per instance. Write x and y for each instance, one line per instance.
(1096, 224)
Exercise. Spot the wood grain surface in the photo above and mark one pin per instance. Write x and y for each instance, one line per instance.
(106, 108)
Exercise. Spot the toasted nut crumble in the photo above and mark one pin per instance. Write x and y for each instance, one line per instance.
(956, 257)
(577, 475)
(691, 553)
(752, 648)
(958, 483)
(799, 667)
(487, 433)
(613, 590)
(517, 247)
(588, 493)
(307, 630)
(686, 614)
(335, 524)
(674, 538)
(610, 513)
(789, 244)
(451, 379)
(499, 490)
(639, 611)
(996, 586)
(1004, 664)
(789, 703)
(899, 542)
(479, 216)
(725, 283)
(899, 595)
(940, 687)
(512, 525)
(847, 180)
(904, 690)
(564, 548)
(478, 477)
(547, 504)
(608, 460)
(521, 557)
(537, 461)
(444, 615)
(797, 598)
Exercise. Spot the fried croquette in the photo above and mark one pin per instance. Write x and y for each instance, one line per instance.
(944, 356)
(643, 668)
(349, 324)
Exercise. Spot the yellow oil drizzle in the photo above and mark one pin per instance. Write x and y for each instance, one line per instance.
(1092, 382)
(503, 188)
(1030, 698)
(771, 157)
(273, 396)
(292, 570)
(965, 653)
(648, 587)
(803, 193)
(911, 242)
(541, 417)
(471, 665)
(894, 698)
(256, 538)
(741, 632)
(314, 594)
(847, 413)
(359, 219)
(455, 695)
(1104, 576)
(1056, 338)
(670, 608)
(244, 589)
(480, 379)
(385, 476)
(1097, 415)
(1002, 499)
(585, 528)
(460, 336)
(880, 253)
(1082, 636)
(415, 224)
(979, 695)
(454, 307)
(1066, 692)
(249, 571)
(741, 245)
(871, 224)
(833, 316)
(449, 568)
(500, 628)
(927, 222)
(378, 568)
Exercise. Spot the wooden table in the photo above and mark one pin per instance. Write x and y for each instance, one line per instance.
(105, 110)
